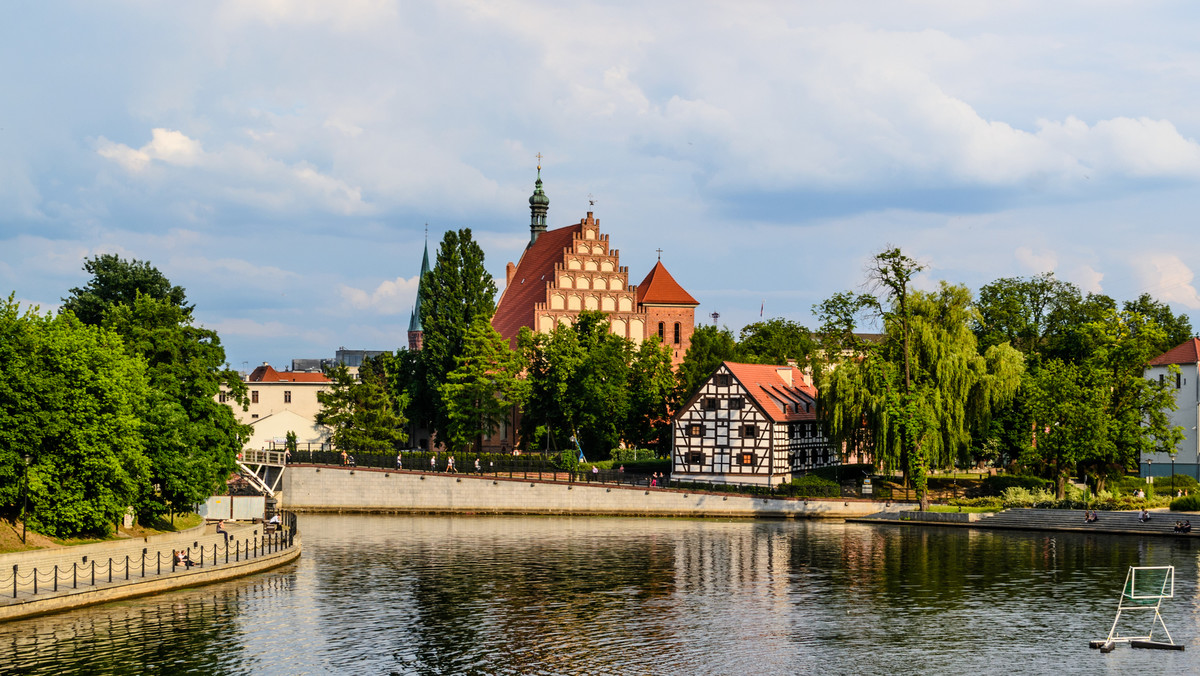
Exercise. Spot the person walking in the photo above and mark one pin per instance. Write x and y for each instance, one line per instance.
(399, 461)
(450, 465)
(433, 463)
(478, 467)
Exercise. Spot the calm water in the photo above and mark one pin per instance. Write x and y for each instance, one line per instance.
(488, 595)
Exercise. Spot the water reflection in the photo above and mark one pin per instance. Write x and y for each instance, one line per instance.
(441, 595)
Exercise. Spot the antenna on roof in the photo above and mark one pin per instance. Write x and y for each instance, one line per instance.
(715, 316)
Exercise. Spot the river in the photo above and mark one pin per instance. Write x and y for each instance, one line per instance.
(540, 595)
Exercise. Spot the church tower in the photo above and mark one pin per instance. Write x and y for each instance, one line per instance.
(416, 334)
(539, 204)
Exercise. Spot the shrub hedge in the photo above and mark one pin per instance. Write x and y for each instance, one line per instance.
(1188, 503)
(995, 485)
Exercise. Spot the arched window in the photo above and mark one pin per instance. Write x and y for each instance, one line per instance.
(676, 333)
(662, 331)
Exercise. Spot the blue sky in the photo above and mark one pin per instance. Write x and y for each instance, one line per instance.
(280, 160)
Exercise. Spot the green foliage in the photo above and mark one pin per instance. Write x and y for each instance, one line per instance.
(1188, 503)
(360, 412)
(987, 504)
(289, 442)
(775, 341)
(1128, 485)
(996, 485)
(812, 480)
(455, 293)
(70, 397)
(481, 392)
(620, 455)
(116, 281)
(709, 347)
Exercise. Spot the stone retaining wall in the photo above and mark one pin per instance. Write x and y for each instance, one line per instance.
(336, 489)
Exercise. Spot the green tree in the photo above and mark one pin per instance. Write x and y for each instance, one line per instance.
(1176, 328)
(360, 411)
(191, 439)
(709, 347)
(456, 292)
(919, 392)
(651, 397)
(776, 341)
(116, 281)
(481, 392)
(70, 398)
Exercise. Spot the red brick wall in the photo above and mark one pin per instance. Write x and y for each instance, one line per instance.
(668, 316)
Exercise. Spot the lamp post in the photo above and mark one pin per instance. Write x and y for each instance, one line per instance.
(1172, 473)
(25, 494)
(1149, 470)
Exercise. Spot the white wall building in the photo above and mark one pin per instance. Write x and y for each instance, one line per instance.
(1187, 414)
(282, 402)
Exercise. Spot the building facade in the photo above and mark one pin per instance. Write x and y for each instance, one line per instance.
(1186, 381)
(749, 424)
(282, 402)
(567, 270)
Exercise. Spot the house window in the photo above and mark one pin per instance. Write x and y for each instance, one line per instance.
(1177, 376)
(254, 416)
(745, 458)
(735, 403)
(676, 333)
(287, 396)
(222, 397)
(662, 332)
(749, 431)
(721, 380)
(711, 403)
(253, 396)
(695, 430)
(695, 457)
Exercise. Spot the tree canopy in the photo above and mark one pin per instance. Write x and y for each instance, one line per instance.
(116, 281)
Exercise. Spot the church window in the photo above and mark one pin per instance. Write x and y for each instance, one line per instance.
(287, 396)
(676, 333)
(662, 331)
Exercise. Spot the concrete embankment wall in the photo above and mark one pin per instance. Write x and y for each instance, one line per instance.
(335, 489)
(135, 587)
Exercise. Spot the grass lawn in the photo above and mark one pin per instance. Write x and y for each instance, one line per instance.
(10, 534)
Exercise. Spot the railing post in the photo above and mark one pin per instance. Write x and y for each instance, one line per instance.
(143, 562)
(93, 572)
(14, 580)
(56, 577)
(35, 580)
(126, 567)
(74, 576)
(227, 551)
(110, 569)
(158, 561)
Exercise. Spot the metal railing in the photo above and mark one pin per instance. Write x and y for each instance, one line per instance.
(48, 579)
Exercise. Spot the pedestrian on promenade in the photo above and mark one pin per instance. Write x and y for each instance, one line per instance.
(450, 465)
(433, 463)
(221, 531)
(478, 467)
(344, 456)
(399, 461)
(595, 472)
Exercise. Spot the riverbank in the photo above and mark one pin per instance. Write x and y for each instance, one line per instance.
(1161, 523)
(45, 581)
(348, 490)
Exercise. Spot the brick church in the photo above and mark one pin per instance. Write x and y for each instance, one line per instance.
(573, 268)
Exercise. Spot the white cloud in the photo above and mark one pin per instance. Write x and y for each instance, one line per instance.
(169, 146)
(1167, 278)
(1036, 262)
(390, 297)
(1087, 278)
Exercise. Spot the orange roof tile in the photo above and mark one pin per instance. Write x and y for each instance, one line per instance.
(767, 385)
(1187, 352)
(267, 374)
(528, 288)
(660, 288)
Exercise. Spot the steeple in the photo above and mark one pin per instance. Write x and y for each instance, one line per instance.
(416, 333)
(539, 204)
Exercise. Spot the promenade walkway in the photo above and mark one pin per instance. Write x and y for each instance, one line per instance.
(47, 580)
(1162, 522)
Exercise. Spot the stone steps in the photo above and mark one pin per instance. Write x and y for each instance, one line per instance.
(1161, 522)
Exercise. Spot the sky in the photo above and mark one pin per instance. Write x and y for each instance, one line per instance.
(282, 159)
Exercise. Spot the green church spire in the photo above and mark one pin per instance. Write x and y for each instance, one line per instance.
(539, 204)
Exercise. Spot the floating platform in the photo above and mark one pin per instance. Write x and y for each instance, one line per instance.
(1157, 645)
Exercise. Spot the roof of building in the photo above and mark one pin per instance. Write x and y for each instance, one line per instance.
(660, 288)
(414, 322)
(772, 386)
(267, 374)
(1187, 352)
(528, 286)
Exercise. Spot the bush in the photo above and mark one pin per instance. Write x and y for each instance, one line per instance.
(1016, 496)
(844, 472)
(996, 485)
(812, 480)
(1188, 503)
(1128, 485)
(1183, 482)
(620, 455)
(993, 504)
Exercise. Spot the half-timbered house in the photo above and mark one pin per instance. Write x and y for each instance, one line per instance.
(749, 424)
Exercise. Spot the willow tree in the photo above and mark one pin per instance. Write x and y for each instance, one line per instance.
(916, 393)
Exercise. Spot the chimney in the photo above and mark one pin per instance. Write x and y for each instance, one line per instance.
(509, 271)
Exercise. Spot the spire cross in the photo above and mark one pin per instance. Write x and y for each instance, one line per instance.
(539, 156)
(659, 254)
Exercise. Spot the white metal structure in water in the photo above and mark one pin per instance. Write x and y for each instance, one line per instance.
(1144, 590)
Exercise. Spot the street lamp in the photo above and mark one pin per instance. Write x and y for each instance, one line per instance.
(25, 494)
(1172, 473)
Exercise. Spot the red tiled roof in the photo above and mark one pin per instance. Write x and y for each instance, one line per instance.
(528, 288)
(660, 288)
(267, 374)
(1186, 353)
(766, 385)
